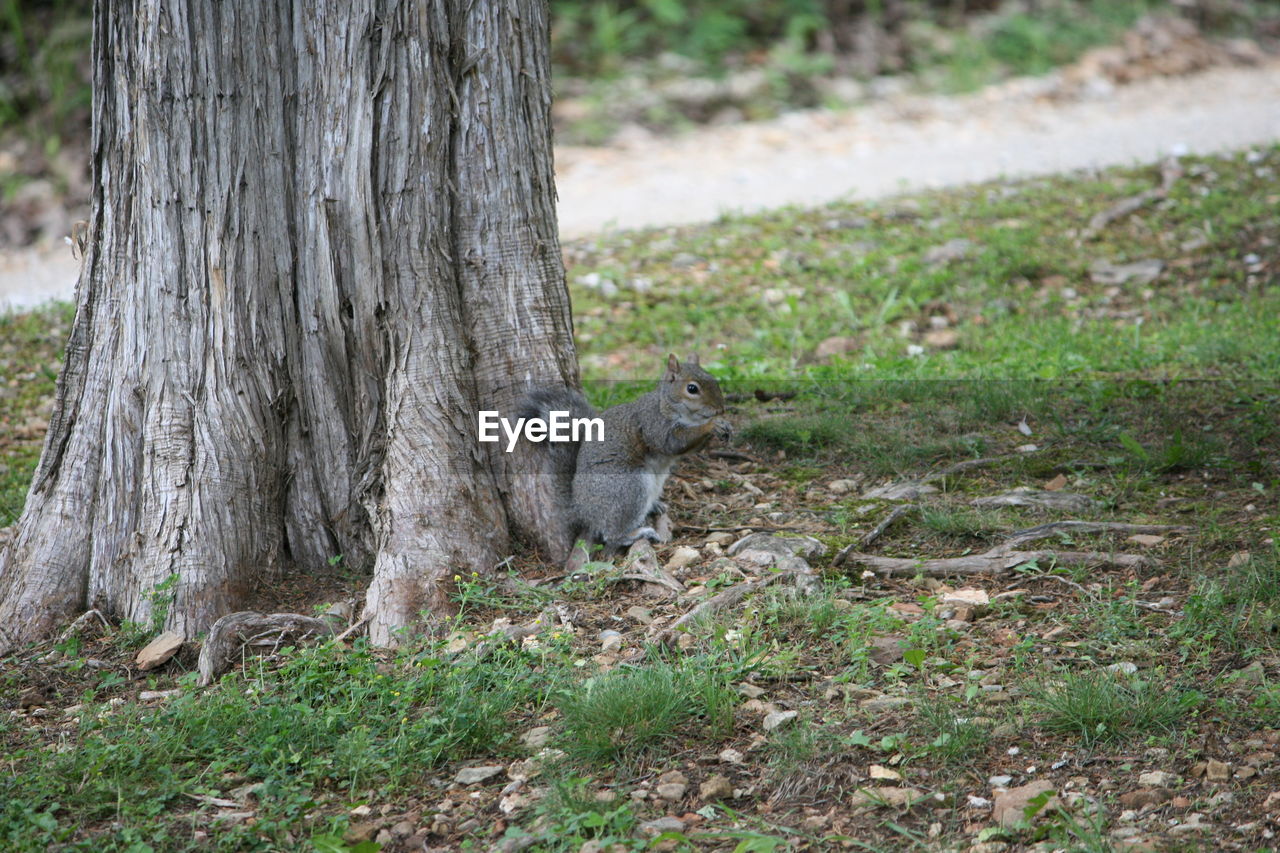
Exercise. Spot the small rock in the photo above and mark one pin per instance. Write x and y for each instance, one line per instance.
(886, 651)
(537, 737)
(879, 771)
(841, 487)
(1000, 781)
(886, 796)
(159, 650)
(610, 641)
(1193, 823)
(672, 792)
(838, 345)
(1246, 772)
(1217, 771)
(640, 614)
(716, 787)
(653, 828)
(673, 777)
(731, 756)
(1146, 539)
(681, 557)
(1272, 802)
(476, 775)
(1010, 804)
(155, 695)
(777, 719)
(1123, 667)
(1158, 779)
(751, 691)
(974, 601)
(1145, 797)
(805, 547)
(885, 703)
(403, 829)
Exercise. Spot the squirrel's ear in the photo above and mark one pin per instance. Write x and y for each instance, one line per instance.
(693, 359)
(673, 368)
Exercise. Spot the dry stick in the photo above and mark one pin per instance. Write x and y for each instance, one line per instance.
(980, 462)
(733, 455)
(951, 469)
(642, 565)
(997, 560)
(355, 626)
(729, 597)
(1044, 531)
(1169, 174)
(81, 622)
(875, 534)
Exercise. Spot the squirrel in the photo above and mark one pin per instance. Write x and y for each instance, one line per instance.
(612, 487)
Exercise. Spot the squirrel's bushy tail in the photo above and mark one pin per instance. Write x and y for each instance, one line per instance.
(539, 403)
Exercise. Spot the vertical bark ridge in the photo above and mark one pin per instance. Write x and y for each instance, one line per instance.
(510, 268)
(439, 513)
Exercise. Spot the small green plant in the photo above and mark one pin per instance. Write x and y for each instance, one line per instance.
(1235, 609)
(950, 731)
(626, 711)
(574, 815)
(1099, 706)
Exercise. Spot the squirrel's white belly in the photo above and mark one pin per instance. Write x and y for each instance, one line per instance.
(655, 477)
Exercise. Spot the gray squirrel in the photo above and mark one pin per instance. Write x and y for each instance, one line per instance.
(612, 487)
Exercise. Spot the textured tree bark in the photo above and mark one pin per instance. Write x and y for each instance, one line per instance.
(323, 236)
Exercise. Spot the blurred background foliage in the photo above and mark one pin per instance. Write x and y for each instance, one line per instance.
(44, 44)
(652, 65)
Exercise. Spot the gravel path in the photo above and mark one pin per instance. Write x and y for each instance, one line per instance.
(814, 157)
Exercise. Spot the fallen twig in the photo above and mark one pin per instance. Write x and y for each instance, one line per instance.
(81, 622)
(996, 561)
(642, 565)
(721, 600)
(875, 533)
(1170, 171)
(1044, 531)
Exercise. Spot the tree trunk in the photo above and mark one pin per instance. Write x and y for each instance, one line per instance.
(323, 237)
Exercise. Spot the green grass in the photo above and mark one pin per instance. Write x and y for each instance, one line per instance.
(1099, 706)
(950, 732)
(1166, 433)
(764, 291)
(324, 720)
(1234, 608)
(625, 712)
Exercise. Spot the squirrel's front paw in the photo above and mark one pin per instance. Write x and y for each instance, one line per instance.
(723, 430)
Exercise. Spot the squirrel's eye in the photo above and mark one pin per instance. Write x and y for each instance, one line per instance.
(692, 388)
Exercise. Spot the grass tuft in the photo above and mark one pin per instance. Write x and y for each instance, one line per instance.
(1104, 707)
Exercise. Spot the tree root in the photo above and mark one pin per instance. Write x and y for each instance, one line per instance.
(642, 565)
(232, 635)
(722, 600)
(1044, 531)
(1170, 171)
(999, 559)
